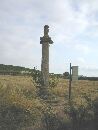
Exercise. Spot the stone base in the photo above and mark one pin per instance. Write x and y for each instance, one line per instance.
(46, 95)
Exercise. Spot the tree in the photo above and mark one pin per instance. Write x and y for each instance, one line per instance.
(66, 75)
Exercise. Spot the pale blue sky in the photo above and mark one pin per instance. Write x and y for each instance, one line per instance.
(73, 28)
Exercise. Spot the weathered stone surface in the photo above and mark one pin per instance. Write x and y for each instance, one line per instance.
(45, 41)
(74, 73)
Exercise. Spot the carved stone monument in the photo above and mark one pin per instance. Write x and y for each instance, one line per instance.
(45, 41)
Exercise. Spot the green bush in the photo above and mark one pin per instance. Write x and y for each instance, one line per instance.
(79, 112)
(14, 118)
(96, 114)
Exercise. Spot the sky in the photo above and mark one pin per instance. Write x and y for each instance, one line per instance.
(73, 27)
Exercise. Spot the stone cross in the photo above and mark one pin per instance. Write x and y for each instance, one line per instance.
(45, 41)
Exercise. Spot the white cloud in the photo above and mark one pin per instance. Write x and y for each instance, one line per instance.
(21, 25)
(84, 49)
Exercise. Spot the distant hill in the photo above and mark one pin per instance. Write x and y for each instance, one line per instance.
(14, 70)
(18, 70)
(88, 78)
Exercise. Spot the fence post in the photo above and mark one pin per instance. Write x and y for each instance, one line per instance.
(70, 79)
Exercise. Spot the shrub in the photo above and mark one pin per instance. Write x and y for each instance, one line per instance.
(53, 82)
(79, 112)
(96, 114)
(13, 117)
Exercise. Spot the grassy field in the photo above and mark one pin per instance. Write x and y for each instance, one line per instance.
(22, 93)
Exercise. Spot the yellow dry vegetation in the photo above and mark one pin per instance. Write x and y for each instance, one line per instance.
(21, 91)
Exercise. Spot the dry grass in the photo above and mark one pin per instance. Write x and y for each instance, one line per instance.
(21, 91)
(61, 90)
(19, 85)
